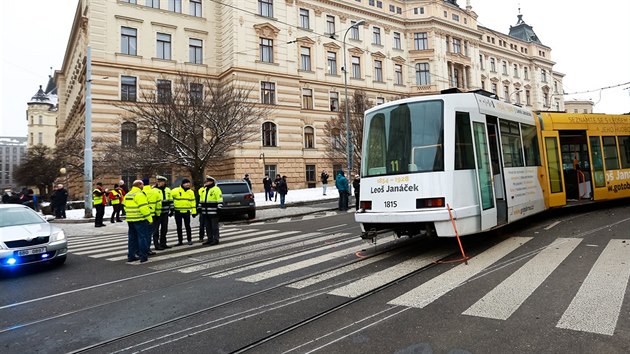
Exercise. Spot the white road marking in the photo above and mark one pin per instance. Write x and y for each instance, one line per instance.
(385, 276)
(281, 259)
(552, 225)
(197, 250)
(296, 241)
(440, 285)
(507, 297)
(299, 265)
(283, 220)
(331, 227)
(339, 271)
(596, 306)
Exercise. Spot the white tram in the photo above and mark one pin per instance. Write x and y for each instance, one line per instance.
(468, 151)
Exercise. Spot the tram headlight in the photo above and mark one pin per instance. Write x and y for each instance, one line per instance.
(429, 203)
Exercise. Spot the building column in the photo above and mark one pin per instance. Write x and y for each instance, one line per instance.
(453, 79)
(465, 77)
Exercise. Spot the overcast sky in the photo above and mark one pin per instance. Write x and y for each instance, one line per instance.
(589, 45)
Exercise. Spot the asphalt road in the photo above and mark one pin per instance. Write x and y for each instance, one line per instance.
(554, 283)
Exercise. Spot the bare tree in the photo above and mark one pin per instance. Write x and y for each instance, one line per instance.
(335, 138)
(191, 124)
(39, 169)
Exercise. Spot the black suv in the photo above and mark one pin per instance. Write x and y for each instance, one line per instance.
(238, 198)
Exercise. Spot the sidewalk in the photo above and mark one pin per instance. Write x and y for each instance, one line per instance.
(298, 202)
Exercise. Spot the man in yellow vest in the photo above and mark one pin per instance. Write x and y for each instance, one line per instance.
(210, 200)
(139, 220)
(184, 204)
(99, 199)
(152, 197)
(163, 209)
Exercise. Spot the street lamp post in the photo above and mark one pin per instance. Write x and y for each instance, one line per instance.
(261, 158)
(87, 153)
(345, 86)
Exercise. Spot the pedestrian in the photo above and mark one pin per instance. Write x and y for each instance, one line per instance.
(282, 189)
(324, 178)
(246, 179)
(59, 201)
(210, 200)
(163, 210)
(267, 186)
(184, 204)
(275, 187)
(139, 221)
(125, 190)
(99, 199)
(115, 198)
(356, 185)
(342, 187)
(152, 198)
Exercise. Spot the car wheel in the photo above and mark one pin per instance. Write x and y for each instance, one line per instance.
(251, 214)
(59, 261)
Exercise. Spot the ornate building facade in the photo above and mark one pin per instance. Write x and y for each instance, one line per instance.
(291, 52)
(41, 116)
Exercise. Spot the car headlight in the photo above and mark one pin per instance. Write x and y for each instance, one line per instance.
(58, 236)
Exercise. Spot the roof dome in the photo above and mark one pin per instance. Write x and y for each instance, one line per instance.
(523, 31)
(40, 97)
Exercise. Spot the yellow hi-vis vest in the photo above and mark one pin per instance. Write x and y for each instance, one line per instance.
(137, 206)
(209, 200)
(152, 198)
(96, 198)
(164, 202)
(184, 200)
(116, 197)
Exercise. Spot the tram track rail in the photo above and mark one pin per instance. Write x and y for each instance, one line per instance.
(247, 313)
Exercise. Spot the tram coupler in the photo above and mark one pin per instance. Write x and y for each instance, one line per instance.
(370, 235)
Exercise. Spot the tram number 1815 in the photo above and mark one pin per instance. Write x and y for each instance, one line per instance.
(390, 204)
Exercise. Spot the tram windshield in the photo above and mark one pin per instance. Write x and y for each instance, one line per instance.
(405, 138)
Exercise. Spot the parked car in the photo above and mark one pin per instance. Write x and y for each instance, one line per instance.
(26, 237)
(237, 198)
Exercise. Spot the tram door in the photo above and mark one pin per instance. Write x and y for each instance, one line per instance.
(555, 180)
(484, 177)
(497, 173)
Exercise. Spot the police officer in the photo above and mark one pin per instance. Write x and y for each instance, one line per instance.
(99, 199)
(152, 197)
(184, 204)
(163, 209)
(210, 200)
(139, 220)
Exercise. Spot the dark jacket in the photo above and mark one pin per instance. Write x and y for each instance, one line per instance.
(267, 183)
(282, 186)
(60, 197)
(356, 184)
(324, 178)
(341, 183)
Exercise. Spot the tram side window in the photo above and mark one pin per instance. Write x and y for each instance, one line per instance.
(464, 157)
(511, 144)
(610, 153)
(377, 146)
(624, 149)
(530, 145)
(596, 157)
(399, 140)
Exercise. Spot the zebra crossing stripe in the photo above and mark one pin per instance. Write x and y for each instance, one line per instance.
(298, 265)
(121, 245)
(430, 291)
(507, 297)
(340, 271)
(313, 237)
(198, 250)
(285, 258)
(596, 306)
(172, 240)
(390, 274)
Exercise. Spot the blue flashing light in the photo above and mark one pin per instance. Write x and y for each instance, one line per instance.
(11, 261)
(45, 255)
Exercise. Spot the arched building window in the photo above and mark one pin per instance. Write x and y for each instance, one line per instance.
(309, 137)
(128, 134)
(269, 134)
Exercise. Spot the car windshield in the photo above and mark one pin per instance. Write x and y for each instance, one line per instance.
(234, 188)
(19, 216)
